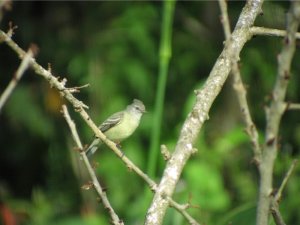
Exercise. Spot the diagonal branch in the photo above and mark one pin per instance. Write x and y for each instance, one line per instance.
(95, 182)
(17, 76)
(80, 108)
(285, 180)
(275, 199)
(276, 213)
(193, 123)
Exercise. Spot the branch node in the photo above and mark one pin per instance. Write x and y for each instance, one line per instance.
(87, 186)
(153, 188)
(34, 48)
(11, 29)
(165, 152)
(270, 141)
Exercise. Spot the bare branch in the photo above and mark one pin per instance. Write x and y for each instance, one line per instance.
(53, 81)
(193, 123)
(285, 180)
(182, 209)
(13, 83)
(77, 89)
(224, 19)
(276, 213)
(274, 114)
(270, 32)
(240, 89)
(95, 182)
(165, 152)
(79, 107)
(292, 106)
(275, 199)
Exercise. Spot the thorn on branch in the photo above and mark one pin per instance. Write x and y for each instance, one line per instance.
(286, 40)
(64, 81)
(261, 12)
(87, 186)
(165, 152)
(34, 48)
(95, 165)
(270, 141)
(194, 151)
(104, 189)
(49, 68)
(128, 166)
(286, 75)
(77, 89)
(11, 29)
(164, 195)
(255, 161)
(221, 19)
(77, 149)
(153, 188)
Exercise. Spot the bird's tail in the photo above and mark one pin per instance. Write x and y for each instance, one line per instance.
(93, 147)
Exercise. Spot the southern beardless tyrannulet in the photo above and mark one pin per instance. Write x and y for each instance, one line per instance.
(120, 125)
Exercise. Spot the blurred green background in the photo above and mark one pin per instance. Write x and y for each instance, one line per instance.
(114, 46)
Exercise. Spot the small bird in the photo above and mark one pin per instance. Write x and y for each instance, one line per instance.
(120, 125)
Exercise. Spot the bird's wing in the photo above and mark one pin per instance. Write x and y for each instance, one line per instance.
(93, 147)
(111, 121)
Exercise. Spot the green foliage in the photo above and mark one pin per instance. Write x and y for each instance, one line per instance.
(114, 46)
(207, 186)
(34, 120)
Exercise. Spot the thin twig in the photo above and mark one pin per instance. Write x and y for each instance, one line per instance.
(276, 213)
(292, 106)
(240, 90)
(80, 108)
(275, 199)
(183, 208)
(285, 180)
(14, 81)
(96, 184)
(38, 69)
(270, 32)
(77, 89)
(225, 19)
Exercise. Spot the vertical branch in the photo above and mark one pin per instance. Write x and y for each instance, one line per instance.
(165, 53)
(95, 182)
(240, 90)
(274, 114)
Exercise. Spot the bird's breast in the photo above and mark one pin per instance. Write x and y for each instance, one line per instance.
(124, 129)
